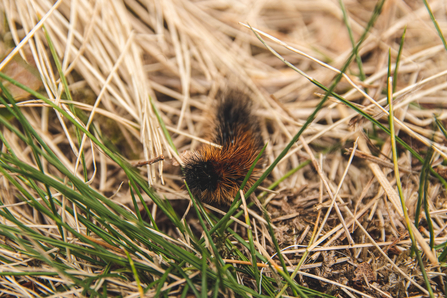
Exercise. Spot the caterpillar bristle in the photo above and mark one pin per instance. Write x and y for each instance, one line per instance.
(214, 175)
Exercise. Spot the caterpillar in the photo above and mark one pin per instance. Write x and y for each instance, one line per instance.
(214, 175)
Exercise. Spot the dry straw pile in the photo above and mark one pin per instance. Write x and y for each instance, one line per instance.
(356, 200)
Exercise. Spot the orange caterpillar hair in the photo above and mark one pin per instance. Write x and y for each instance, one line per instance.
(214, 175)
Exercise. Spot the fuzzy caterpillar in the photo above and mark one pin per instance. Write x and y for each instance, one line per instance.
(214, 175)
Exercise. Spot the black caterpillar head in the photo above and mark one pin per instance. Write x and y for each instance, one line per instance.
(200, 176)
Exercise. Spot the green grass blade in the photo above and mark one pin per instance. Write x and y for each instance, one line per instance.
(399, 185)
(185, 291)
(135, 273)
(287, 175)
(399, 54)
(422, 181)
(204, 281)
(426, 203)
(251, 245)
(435, 22)
(188, 280)
(163, 126)
(135, 205)
(351, 38)
(441, 127)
